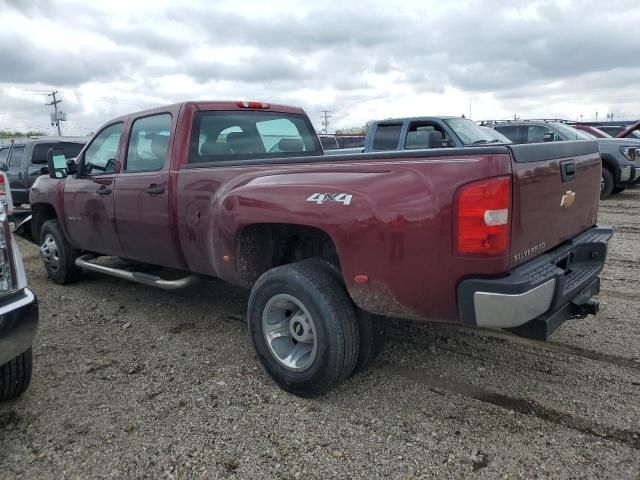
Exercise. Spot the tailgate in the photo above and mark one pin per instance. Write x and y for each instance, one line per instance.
(556, 191)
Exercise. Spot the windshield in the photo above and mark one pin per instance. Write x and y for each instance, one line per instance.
(570, 133)
(634, 133)
(497, 135)
(470, 133)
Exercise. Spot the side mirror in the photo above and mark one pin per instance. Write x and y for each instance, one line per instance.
(57, 163)
(435, 139)
(548, 137)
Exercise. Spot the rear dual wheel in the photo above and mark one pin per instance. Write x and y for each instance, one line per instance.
(306, 332)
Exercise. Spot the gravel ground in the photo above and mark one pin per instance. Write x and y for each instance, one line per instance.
(131, 381)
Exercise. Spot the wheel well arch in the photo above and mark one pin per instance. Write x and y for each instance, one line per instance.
(40, 213)
(262, 246)
(609, 163)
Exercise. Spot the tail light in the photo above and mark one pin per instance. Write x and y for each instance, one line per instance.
(482, 217)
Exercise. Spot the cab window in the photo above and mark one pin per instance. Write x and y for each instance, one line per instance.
(149, 143)
(387, 137)
(4, 153)
(101, 155)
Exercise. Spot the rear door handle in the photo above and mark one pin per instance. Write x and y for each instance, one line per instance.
(154, 190)
(103, 191)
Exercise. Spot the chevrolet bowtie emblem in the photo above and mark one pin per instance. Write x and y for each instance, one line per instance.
(567, 199)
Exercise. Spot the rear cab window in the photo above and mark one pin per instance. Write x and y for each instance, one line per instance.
(71, 150)
(220, 136)
(387, 136)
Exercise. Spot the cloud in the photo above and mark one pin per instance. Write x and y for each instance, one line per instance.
(362, 60)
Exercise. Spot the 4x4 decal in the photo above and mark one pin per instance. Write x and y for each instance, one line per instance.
(320, 198)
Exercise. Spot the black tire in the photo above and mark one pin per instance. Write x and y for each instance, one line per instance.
(618, 190)
(62, 269)
(334, 321)
(373, 334)
(15, 376)
(372, 328)
(608, 183)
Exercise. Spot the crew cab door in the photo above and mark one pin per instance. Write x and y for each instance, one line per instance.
(88, 196)
(142, 193)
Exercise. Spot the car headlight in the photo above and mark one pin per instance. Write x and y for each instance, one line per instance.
(632, 153)
(12, 274)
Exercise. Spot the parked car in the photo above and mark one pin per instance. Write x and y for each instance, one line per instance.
(613, 130)
(23, 161)
(499, 236)
(620, 165)
(417, 133)
(594, 131)
(18, 310)
(632, 132)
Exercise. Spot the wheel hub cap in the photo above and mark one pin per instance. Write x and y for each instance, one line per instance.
(49, 252)
(290, 333)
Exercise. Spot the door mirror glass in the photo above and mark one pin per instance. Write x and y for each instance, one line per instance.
(57, 163)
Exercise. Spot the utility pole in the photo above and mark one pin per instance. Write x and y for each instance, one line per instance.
(55, 103)
(325, 120)
(596, 116)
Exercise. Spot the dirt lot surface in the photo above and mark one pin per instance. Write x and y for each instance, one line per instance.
(131, 381)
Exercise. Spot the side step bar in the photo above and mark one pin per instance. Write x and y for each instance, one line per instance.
(84, 261)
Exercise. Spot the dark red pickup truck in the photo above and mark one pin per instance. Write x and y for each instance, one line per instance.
(492, 236)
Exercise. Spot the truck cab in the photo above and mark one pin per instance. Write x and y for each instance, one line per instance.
(23, 161)
(415, 133)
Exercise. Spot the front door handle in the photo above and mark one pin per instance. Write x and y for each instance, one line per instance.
(103, 191)
(154, 190)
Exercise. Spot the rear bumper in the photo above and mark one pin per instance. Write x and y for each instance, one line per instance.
(18, 324)
(551, 288)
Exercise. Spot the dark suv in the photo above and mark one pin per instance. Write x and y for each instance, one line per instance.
(23, 161)
(620, 157)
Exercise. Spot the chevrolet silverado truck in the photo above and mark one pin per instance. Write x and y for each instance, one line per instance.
(489, 236)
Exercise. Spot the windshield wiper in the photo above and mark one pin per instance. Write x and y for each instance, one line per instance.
(480, 141)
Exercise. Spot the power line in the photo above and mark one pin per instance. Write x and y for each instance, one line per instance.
(325, 120)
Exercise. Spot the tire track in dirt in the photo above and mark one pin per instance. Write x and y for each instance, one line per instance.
(506, 338)
(516, 404)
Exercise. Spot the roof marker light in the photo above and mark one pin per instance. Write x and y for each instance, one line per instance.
(259, 105)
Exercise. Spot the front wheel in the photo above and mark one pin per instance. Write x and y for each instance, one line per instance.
(57, 254)
(303, 328)
(607, 183)
(15, 376)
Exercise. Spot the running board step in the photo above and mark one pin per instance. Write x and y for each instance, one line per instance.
(84, 261)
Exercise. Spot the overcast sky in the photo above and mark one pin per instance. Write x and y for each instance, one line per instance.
(361, 60)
